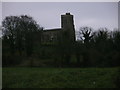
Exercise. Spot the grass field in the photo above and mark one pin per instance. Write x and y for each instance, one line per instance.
(58, 77)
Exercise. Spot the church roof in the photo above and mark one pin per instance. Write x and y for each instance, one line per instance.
(49, 30)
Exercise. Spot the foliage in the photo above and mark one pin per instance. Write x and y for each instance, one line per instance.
(19, 35)
(19, 31)
(101, 49)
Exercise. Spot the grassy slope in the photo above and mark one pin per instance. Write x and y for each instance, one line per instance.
(59, 77)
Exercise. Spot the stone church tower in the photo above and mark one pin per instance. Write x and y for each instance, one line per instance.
(67, 25)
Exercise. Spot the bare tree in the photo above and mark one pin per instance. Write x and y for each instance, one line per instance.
(86, 34)
(19, 30)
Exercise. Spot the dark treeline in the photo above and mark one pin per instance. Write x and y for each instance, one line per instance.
(19, 38)
(22, 46)
(99, 48)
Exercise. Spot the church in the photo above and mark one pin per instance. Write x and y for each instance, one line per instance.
(67, 25)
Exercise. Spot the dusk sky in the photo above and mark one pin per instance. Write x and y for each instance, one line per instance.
(48, 14)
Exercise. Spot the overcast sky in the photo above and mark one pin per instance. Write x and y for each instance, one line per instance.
(48, 14)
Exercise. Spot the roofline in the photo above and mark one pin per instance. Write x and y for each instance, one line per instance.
(52, 29)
